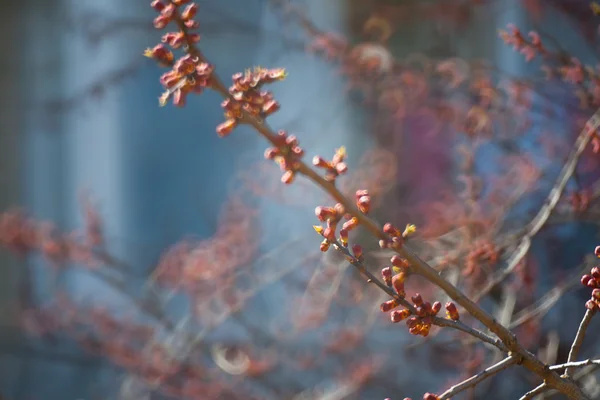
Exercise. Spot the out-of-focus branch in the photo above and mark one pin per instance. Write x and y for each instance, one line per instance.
(551, 201)
(543, 305)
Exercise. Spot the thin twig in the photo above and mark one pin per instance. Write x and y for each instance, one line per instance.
(532, 393)
(579, 375)
(443, 322)
(475, 379)
(575, 364)
(370, 277)
(578, 341)
(544, 304)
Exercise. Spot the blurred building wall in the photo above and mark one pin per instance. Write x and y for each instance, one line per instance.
(11, 101)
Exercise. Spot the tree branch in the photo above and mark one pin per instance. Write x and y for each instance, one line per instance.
(441, 322)
(471, 331)
(481, 376)
(575, 364)
(532, 393)
(578, 341)
(565, 386)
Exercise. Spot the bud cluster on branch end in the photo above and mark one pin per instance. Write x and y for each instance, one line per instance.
(592, 280)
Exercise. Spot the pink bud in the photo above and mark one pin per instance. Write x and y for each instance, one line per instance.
(357, 250)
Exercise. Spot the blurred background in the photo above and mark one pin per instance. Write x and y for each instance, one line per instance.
(208, 282)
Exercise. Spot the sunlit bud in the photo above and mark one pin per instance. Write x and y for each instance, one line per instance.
(591, 305)
(417, 299)
(288, 177)
(409, 230)
(399, 315)
(388, 305)
(357, 250)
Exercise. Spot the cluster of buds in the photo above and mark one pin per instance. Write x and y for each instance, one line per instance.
(335, 167)
(247, 96)
(515, 38)
(592, 280)
(332, 216)
(189, 74)
(287, 154)
(169, 13)
(396, 237)
(418, 324)
(395, 276)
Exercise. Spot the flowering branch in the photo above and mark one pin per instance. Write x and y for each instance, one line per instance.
(247, 103)
(441, 322)
(300, 167)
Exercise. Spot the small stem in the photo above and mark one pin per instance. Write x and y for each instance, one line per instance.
(578, 341)
(443, 322)
(481, 376)
(534, 392)
(575, 364)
